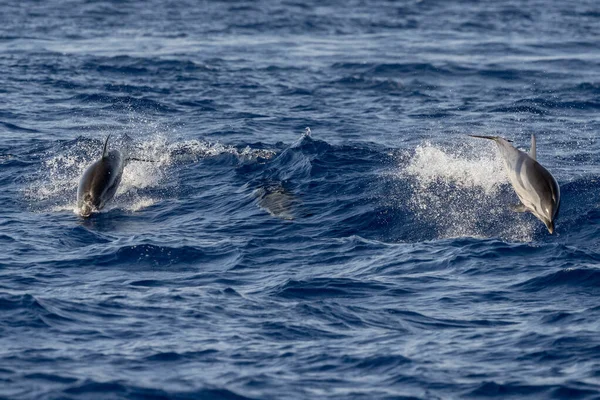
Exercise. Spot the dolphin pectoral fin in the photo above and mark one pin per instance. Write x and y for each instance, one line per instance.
(532, 150)
(105, 150)
(520, 208)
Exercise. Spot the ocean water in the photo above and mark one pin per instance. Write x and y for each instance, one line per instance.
(371, 256)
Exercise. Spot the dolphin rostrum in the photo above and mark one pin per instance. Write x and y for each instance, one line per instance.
(536, 187)
(100, 181)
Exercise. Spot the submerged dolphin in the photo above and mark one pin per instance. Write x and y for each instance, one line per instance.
(276, 200)
(100, 181)
(536, 187)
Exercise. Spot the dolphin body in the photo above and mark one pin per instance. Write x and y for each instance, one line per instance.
(277, 201)
(535, 186)
(100, 181)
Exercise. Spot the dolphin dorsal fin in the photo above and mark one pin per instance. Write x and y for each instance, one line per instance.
(532, 150)
(105, 150)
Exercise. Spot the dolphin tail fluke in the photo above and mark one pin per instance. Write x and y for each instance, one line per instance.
(532, 150)
(105, 150)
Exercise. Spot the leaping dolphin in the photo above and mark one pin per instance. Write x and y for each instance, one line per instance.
(536, 187)
(100, 181)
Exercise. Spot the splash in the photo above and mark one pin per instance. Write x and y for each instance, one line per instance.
(141, 203)
(58, 176)
(464, 166)
(150, 173)
(463, 191)
(54, 187)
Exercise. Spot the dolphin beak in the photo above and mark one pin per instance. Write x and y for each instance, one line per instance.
(550, 226)
(85, 210)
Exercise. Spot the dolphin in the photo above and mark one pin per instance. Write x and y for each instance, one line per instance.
(535, 186)
(100, 181)
(276, 200)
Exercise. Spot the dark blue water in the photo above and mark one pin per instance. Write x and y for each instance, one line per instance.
(376, 258)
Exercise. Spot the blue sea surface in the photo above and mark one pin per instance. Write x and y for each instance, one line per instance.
(371, 256)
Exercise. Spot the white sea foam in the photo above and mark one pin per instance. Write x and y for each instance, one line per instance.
(463, 190)
(141, 203)
(464, 166)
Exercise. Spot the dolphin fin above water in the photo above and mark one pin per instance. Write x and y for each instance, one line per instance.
(535, 186)
(105, 149)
